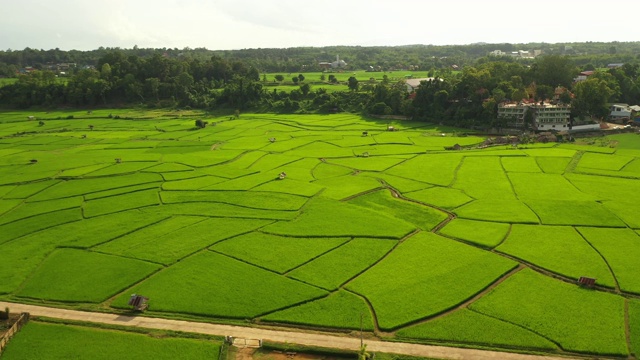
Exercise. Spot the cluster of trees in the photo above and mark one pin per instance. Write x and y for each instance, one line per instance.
(466, 98)
(294, 60)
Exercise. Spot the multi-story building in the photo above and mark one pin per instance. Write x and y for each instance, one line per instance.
(545, 116)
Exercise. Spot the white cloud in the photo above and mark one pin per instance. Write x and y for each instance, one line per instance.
(234, 24)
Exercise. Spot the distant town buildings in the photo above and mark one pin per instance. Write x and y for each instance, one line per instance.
(333, 65)
(520, 54)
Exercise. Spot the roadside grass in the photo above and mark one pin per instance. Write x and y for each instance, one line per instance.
(561, 312)
(82, 276)
(46, 341)
(431, 274)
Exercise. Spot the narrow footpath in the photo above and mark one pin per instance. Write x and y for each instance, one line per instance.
(280, 336)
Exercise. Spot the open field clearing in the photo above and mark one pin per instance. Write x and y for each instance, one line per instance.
(302, 220)
(60, 341)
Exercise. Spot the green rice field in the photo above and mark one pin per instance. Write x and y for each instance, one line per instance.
(321, 228)
(51, 341)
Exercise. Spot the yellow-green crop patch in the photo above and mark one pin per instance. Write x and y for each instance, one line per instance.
(61, 341)
(508, 211)
(483, 233)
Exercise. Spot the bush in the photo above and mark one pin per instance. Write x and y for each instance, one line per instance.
(69, 117)
(4, 315)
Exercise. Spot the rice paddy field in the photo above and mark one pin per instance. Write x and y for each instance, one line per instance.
(301, 220)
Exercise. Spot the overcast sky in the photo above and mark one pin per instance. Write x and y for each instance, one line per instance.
(240, 24)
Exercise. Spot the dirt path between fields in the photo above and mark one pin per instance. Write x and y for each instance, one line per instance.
(284, 335)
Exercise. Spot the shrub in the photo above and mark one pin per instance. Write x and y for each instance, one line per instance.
(4, 315)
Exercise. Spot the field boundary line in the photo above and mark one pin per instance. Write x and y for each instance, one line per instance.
(613, 275)
(466, 302)
(372, 310)
(627, 327)
(286, 273)
(518, 325)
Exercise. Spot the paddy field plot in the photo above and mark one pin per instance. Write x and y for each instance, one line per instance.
(83, 276)
(561, 312)
(200, 222)
(332, 269)
(483, 233)
(469, 327)
(341, 310)
(432, 274)
(620, 248)
(50, 341)
(276, 253)
(559, 249)
(216, 285)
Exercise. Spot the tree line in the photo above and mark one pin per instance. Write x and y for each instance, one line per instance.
(469, 97)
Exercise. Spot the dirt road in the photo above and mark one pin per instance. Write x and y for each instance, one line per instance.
(282, 336)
